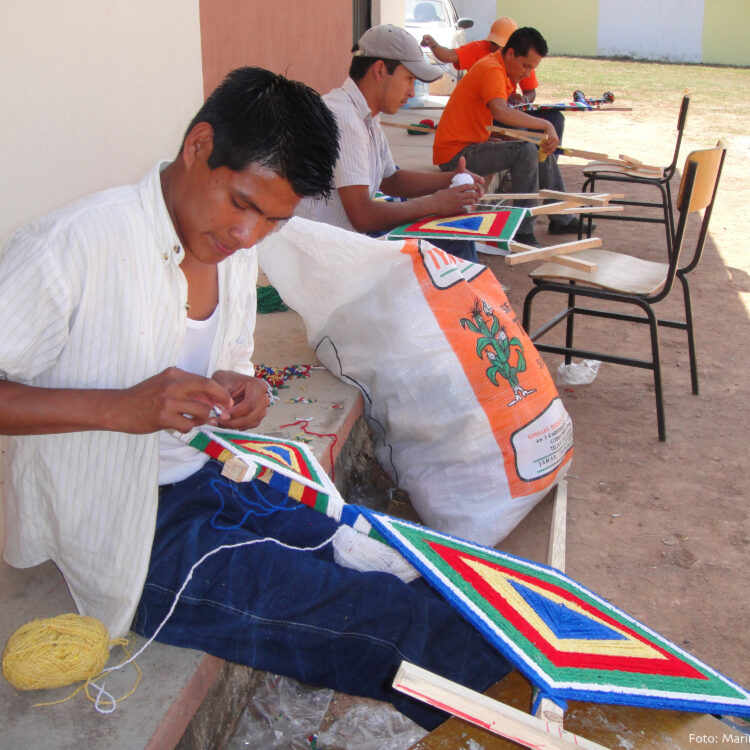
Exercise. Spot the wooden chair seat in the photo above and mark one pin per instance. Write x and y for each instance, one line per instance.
(625, 281)
(600, 167)
(615, 271)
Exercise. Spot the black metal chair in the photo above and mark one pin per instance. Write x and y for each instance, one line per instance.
(598, 172)
(627, 280)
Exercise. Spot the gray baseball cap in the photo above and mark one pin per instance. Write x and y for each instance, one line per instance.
(394, 43)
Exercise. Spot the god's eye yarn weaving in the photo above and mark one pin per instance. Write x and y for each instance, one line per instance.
(568, 641)
(487, 226)
(285, 465)
(282, 464)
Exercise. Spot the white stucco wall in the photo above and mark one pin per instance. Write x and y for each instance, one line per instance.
(93, 93)
(668, 29)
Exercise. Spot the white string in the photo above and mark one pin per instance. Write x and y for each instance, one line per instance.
(102, 692)
(177, 597)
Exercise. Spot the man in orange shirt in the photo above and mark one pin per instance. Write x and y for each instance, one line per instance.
(481, 96)
(466, 55)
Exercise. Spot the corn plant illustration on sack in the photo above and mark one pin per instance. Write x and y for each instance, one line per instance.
(463, 411)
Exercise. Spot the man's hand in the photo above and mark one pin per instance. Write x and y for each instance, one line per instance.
(428, 41)
(172, 400)
(515, 99)
(550, 142)
(477, 179)
(455, 200)
(249, 396)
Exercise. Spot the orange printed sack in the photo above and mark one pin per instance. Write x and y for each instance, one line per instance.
(464, 413)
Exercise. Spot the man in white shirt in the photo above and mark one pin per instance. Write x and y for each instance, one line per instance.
(386, 63)
(131, 312)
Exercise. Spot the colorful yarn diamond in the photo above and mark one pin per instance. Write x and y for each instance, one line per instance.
(487, 226)
(568, 641)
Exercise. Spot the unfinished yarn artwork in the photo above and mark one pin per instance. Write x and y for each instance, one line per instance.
(486, 226)
(569, 642)
(285, 465)
(565, 639)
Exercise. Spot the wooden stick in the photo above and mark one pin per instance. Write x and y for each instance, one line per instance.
(404, 126)
(548, 709)
(510, 196)
(565, 208)
(577, 198)
(586, 266)
(623, 165)
(589, 197)
(554, 208)
(478, 709)
(521, 253)
(524, 135)
(556, 552)
(590, 210)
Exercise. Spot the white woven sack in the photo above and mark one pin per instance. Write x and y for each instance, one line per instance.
(464, 414)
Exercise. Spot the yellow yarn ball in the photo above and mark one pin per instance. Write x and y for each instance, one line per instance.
(55, 651)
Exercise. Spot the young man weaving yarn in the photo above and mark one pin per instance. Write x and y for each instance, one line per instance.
(386, 63)
(481, 98)
(130, 313)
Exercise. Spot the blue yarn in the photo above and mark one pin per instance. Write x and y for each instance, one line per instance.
(261, 508)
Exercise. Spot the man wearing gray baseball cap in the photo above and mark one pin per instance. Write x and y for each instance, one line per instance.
(394, 43)
(387, 60)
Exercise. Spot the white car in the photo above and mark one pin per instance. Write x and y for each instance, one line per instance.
(439, 19)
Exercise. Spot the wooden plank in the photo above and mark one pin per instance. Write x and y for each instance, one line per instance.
(548, 709)
(585, 210)
(405, 126)
(521, 253)
(510, 196)
(554, 208)
(485, 712)
(592, 198)
(623, 166)
(566, 208)
(611, 726)
(580, 199)
(521, 135)
(586, 266)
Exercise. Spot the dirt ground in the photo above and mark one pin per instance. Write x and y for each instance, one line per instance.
(660, 529)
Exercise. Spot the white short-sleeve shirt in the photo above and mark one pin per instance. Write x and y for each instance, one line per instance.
(364, 158)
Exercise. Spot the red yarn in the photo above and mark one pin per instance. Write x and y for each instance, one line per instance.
(304, 423)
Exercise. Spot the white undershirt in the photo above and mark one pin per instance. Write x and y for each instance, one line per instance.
(177, 461)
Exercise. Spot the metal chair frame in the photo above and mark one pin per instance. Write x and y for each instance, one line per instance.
(643, 301)
(661, 183)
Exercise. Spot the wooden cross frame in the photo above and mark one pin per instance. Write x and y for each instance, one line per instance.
(530, 136)
(566, 203)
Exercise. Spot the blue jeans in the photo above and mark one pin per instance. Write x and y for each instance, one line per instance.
(295, 612)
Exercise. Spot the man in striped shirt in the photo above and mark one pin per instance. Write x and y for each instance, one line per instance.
(130, 313)
(386, 63)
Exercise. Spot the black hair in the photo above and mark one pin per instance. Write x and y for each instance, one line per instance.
(524, 39)
(361, 64)
(260, 117)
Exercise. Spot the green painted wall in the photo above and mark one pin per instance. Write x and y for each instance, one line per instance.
(570, 28)
(725, 30)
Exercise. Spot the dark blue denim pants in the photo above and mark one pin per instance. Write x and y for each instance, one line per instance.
(294, 612)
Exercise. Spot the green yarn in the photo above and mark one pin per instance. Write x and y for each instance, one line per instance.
(269, 300)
